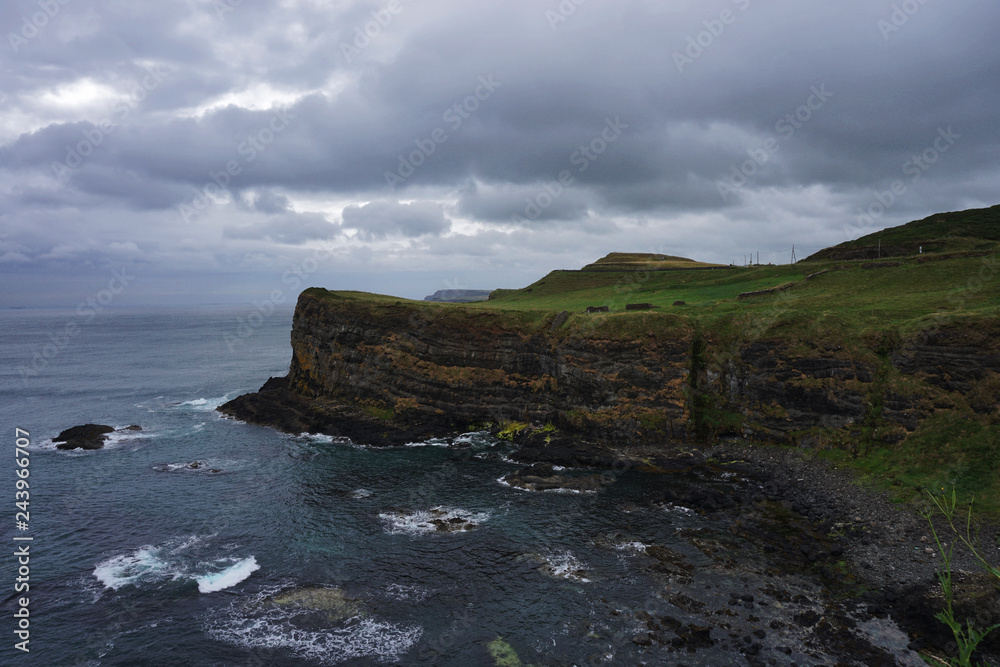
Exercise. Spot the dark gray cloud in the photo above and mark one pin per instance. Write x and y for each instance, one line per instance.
(195, 131)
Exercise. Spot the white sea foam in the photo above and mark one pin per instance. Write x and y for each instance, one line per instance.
(253, 625)
(152, 565)
(143, 563)
(361, 493)
(433, 442)
(323, 438)
(232, 575)
(503, 482)
(565, 566)
(123, 436)
(637, 547)
(670, 507)
(204, 404)
(207, 466)
(418, 522)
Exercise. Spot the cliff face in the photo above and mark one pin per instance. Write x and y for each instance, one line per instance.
(387, 371)
(419, 365)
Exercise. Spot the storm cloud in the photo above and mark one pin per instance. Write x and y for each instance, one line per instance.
(483, 143)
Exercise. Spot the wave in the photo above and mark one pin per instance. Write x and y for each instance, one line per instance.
(433, 442)
(204, 404)
(123, 570)
(210, 583)
(150, 566)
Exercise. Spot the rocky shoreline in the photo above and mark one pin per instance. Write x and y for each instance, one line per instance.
(877, 555)
(888, 548)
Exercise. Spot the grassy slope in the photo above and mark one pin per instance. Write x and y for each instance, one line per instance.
(960, 231)
(845, 306)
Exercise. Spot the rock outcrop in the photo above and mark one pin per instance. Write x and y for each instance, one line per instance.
(85, 436)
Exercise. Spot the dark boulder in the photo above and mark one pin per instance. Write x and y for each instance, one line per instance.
(86, 436)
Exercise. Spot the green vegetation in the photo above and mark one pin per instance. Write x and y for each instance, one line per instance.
(967, 636)
(377, 411)
(637, 261)
(510, 430)
(950, 448)
(959, 231)
(503, 654)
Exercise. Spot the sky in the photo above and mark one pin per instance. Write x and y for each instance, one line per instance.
(237, 151)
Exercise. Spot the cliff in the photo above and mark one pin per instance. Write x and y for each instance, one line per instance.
(404, 369)
(388, 371)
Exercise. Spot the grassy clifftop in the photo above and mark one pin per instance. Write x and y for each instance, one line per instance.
(629, 261)
(912, 342)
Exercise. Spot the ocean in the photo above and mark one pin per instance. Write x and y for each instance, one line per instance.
(201, 540)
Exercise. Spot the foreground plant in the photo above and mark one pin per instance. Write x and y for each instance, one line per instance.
(967, 636)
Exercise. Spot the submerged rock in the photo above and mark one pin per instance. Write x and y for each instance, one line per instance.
(333, 602)
(193, 465)
(85, 436)
(563, 565)
(434, 520)
(542, 477)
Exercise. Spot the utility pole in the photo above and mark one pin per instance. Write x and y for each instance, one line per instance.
(793, 253)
